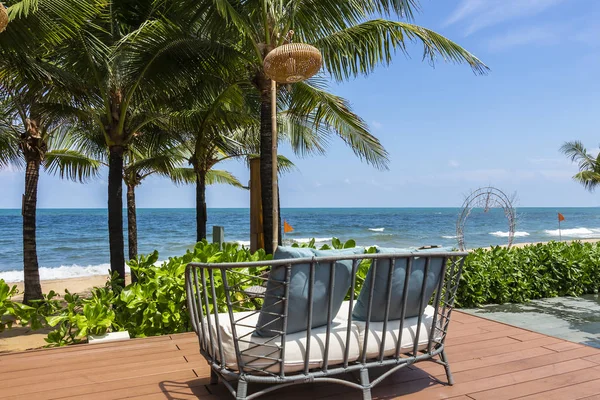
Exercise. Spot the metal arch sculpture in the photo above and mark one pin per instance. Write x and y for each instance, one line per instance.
(486, 198)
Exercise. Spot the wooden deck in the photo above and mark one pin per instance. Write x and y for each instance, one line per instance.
(490, 360)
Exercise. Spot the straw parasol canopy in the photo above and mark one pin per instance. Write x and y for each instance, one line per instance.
(3, 18)
(292, 62)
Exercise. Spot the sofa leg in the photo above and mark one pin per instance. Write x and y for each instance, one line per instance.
(214, 377)
(242, 389)
(366, 384)
(447, 367)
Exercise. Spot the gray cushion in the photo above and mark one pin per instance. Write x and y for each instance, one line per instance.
(414, 298)
(298, 290)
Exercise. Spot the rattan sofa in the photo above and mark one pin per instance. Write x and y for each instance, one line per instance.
(225, 309)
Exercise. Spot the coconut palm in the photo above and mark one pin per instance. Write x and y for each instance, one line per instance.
(131, 61)
(589, 165)
(27, 79)
(33, 143)
(352, 43)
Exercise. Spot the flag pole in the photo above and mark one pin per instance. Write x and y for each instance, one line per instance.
(560, 218)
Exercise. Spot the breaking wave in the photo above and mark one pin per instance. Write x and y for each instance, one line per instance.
(505, 234)
(583, 233)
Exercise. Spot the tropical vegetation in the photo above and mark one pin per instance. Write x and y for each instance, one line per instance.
(130, 72)
(589, 164)
(156, 303)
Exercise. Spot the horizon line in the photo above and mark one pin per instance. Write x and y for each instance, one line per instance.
(286, 208)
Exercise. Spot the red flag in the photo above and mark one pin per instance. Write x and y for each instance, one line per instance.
(561, 217)
(287, 227)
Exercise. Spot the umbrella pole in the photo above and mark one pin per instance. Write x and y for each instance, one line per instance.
(275, 209)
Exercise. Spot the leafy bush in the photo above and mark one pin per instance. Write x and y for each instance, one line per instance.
(8, 308)
(156, 303)
(516, 275)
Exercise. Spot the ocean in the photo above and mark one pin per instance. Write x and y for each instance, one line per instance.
(74, 242)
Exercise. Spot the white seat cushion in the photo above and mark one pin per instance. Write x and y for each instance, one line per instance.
(254, 348)
(391, 337)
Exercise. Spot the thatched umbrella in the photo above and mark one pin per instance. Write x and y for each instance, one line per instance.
(289, 63)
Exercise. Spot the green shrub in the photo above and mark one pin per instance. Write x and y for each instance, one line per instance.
(516, 275)
(156, 303)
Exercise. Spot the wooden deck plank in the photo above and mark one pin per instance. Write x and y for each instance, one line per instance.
(123, 344)
(573, 392)
(489, 360)
(594, 358)
(466, 337)
(463, 352)
(558, 380)
(166, 387)
(108, 387)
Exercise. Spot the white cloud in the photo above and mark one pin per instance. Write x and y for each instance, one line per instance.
(549, 161)
(479, 14)
(377, 124)
(557, 174)
(453, 164)
(538, 35)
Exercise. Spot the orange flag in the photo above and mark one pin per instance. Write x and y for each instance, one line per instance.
(287, 227)
(561, 217)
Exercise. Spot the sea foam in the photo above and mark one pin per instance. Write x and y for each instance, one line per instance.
(62, 272)
(506, 234)
(376, 229)
(449, 237)
(583, 233)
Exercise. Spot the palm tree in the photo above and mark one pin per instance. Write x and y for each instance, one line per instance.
(25, 143)
(131, 61)
(589, 165)
(351, 43)
(27, 79)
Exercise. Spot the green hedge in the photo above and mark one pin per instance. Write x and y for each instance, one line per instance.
(155, 305)
(516, 275)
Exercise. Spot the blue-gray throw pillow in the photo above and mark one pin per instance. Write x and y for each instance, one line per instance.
(415, 283)
(270, 324)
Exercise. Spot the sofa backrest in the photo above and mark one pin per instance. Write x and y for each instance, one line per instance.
(335, 275)
(420, 275)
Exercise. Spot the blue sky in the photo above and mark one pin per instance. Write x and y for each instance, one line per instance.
(447, 130)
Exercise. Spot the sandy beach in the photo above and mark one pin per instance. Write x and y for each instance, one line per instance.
(18, 338)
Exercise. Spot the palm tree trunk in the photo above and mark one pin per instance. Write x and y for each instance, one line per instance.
(115, 211)
(201, 214)
(279, 220)
(33, 289)
(132, 226)
(266, 163)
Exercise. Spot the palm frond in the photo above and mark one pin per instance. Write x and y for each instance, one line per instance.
(9, 149)
(284, 164)
(216, 176)
(577, 152)
(589, 179)
(324, 110)
(360, 48)
(589, 166)
(183, 176)
(71, 164)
